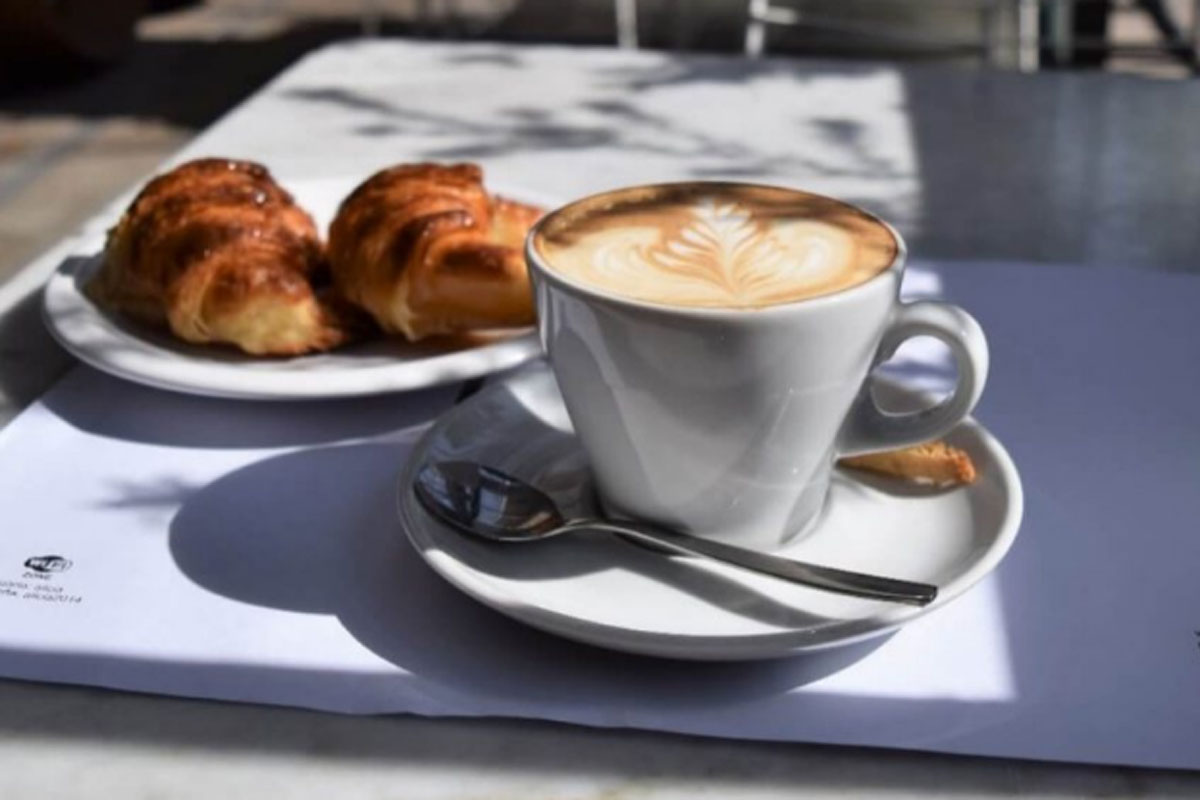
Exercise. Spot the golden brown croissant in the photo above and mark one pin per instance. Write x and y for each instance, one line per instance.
(218, 252)
(426, 251)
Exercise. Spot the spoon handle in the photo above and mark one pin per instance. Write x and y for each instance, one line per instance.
(832, 579)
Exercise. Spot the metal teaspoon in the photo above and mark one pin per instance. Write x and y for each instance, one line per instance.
(490, 504)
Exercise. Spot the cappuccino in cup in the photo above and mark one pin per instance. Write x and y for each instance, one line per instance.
(713, 343)
(716, 245)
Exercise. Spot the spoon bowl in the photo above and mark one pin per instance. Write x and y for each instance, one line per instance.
(486, 502)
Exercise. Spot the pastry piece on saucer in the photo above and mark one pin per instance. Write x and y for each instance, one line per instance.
(931, 462)
(216, 251)
(427, 251)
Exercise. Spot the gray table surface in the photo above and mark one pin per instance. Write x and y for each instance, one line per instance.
(1079, 169)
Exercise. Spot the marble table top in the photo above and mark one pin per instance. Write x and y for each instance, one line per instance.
(1068, 168)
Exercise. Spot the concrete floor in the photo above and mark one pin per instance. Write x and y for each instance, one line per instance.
(66, 149)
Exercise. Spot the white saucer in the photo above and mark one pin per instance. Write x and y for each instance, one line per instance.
(607, 592)
(137, 353)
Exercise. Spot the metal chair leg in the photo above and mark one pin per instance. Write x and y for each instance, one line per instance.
(756, 27)
(1196, 34)
(1028, 35)
(627, 25)
(1181, 46)
(370, 18)
(989, 37)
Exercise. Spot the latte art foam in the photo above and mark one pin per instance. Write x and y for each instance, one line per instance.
(715, 245)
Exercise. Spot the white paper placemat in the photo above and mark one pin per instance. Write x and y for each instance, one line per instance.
(163, 543)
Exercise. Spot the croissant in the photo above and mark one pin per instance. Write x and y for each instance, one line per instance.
(216, 251)
(426, 251)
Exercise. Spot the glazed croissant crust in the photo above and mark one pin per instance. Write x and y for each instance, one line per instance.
(427, 251)
(217, 251)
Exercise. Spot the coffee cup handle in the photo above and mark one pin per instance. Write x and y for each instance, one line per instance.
(870, 429)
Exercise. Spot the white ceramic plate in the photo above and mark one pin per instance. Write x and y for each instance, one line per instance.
(607, 592)
(138, 353)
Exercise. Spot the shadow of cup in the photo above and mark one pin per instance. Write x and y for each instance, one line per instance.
(315, 531)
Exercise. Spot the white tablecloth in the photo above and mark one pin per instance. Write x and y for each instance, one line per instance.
(250, 552)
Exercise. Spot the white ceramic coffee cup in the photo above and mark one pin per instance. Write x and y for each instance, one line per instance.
(726, 423)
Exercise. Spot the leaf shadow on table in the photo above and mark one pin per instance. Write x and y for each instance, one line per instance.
(269, 535)
(624, 113)
(377, 116)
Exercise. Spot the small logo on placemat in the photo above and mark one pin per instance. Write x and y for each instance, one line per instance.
(48, 563)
